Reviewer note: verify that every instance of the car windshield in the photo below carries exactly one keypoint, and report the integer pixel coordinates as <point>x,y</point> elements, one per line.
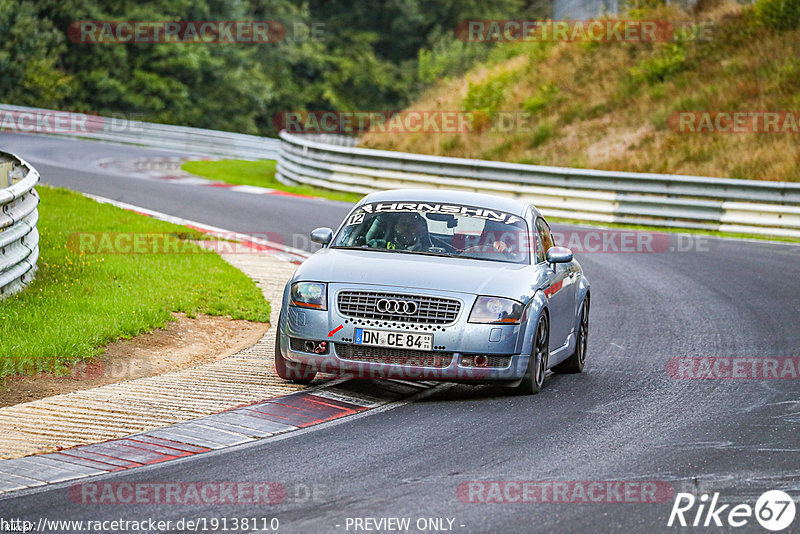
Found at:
<point>452,230</point>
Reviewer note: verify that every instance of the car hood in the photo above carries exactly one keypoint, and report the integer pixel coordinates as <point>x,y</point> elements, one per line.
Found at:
<point>420,272</point>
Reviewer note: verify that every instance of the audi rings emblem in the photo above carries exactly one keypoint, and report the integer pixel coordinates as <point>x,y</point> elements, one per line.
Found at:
<point>399,307</point>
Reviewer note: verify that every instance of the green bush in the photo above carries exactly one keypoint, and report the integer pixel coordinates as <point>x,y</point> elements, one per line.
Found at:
<point>486,96</point>
<point>658,68</point>
<point>778,14</point>
<point>547,93</point>
<point>574,111</point>
<point>451,143</point>
<point>498,152</point>
<point>543,132</point>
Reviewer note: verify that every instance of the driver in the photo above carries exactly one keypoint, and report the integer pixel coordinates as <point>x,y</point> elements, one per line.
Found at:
<point>406,231</point>
<point>411,233</point>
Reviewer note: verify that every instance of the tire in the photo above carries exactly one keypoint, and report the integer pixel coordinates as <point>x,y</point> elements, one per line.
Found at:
<point>292,371</point>
<point>574,364</point>
<point>533,380</point>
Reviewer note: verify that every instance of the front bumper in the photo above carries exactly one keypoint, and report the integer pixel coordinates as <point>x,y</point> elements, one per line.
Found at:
<point>455,344</point>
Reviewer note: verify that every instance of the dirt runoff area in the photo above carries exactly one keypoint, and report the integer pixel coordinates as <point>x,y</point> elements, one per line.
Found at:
<point>182,343</point>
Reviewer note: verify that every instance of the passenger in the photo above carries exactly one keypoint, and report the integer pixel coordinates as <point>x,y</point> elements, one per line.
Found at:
<point>496,238</point>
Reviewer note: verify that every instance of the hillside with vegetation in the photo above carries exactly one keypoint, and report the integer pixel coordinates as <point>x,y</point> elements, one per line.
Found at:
<point>613,105</point>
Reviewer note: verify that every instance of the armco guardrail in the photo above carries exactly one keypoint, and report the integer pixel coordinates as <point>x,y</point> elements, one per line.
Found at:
<point>19,238</point>
<point>693,202</point>
<point>118,130</point>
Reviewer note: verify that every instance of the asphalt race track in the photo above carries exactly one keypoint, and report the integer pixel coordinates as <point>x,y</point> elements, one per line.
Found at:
<point>623,419</point>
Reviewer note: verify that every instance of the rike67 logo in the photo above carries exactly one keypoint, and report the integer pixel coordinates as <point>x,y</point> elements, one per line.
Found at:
<point>774,510</point>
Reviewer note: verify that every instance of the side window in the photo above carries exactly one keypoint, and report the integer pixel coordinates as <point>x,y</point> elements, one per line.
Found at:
<point>545,239</point>
<point>539,250</point>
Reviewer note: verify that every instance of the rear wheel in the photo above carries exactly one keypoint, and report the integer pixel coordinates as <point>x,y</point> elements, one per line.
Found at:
<point>574,364</point>
<point>292,371</point>
<point>533,380</point>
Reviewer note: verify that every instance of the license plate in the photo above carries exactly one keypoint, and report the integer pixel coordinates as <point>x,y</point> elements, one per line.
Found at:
<point>397,340</point>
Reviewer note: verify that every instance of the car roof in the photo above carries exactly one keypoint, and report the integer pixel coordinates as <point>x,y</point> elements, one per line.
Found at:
<point>481,200</point>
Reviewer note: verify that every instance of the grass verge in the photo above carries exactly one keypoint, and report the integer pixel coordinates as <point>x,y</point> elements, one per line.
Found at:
<point>79,302</point>
<point>260,173</point>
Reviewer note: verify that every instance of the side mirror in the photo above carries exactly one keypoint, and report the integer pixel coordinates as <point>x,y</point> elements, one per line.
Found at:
<point>322,236</point>
<point>559,255</point>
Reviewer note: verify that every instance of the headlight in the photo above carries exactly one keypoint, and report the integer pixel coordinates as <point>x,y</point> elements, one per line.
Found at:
<point>496,310</point>
<point>310,295</point>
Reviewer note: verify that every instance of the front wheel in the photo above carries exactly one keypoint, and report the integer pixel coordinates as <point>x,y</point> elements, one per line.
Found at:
<point>574,364</point>
<point>533,380</point>
<point>291,371</point>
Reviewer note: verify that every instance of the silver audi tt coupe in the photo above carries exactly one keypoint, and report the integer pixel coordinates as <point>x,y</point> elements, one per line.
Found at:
<point>436,285</point>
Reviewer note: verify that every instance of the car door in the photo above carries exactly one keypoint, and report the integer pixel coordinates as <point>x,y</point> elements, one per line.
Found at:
<point>559,289</point>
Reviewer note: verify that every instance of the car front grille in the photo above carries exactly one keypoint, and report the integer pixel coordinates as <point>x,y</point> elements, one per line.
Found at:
<point>429,310</point>
<point>419,358</point>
